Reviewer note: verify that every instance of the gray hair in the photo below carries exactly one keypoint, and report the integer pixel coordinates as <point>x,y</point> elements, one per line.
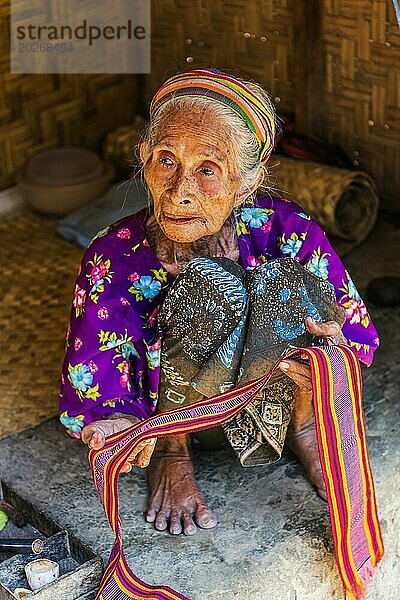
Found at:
<point>245,145</point>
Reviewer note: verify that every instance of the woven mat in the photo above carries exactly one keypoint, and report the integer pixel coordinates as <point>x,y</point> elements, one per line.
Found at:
<point>343,202</point>
<point>37,274</point>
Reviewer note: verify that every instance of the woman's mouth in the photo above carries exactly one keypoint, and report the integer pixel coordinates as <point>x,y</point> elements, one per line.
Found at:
<point>180,220</point>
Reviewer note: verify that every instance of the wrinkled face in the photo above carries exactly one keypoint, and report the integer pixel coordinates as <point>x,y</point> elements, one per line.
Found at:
<point>192,175</point>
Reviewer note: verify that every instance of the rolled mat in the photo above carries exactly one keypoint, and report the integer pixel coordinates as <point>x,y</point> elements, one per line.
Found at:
<point>342,445</point>
<point>345,203</point>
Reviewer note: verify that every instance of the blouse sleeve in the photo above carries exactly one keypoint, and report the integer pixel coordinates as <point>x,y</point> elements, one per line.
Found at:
<point>105,354</point>
<point>318,256</point>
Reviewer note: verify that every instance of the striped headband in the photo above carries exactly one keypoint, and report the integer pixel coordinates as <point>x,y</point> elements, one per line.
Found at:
<point>223,88</point>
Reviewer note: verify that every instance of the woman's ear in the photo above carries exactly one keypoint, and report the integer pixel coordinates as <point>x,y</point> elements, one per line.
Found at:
<point>241,196</point>
<point>142,151</point>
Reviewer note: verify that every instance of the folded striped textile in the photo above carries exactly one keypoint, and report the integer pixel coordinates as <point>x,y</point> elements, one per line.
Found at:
<point>339,418</point>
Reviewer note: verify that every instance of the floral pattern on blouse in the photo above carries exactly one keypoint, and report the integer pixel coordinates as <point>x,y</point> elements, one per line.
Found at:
<point>99,275</point>
<point>319,263</point>
<point>292,245</point>
<point>112,358</point>
<point>356,311</point>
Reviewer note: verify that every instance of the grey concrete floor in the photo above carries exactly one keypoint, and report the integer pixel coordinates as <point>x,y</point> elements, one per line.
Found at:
<point>273,539</point>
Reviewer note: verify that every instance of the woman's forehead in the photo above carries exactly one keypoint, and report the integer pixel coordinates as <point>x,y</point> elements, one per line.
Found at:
<point>193,118</point>
<point>200,147</point>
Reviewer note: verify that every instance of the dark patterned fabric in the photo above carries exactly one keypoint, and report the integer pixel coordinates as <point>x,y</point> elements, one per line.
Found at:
<point>222,326</point>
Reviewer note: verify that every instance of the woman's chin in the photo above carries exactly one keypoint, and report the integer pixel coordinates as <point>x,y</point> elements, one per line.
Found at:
<point>182,235</point>
<point>181,239</point>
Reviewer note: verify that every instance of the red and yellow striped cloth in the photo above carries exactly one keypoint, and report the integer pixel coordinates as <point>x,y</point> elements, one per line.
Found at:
<point>339,417</point>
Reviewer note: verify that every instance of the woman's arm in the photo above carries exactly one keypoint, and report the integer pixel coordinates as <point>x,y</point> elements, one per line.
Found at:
<point>320,258</point>
<point>105,360</point>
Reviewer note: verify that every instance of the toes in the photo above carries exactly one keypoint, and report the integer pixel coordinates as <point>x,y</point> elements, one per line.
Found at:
<point>322,493</point>
<point>161,521</point>
<point>151,515</point>
<point>189,527</point>
<point>175,523</point>
<point>205,518</point>
<point>154,507</point>
<point>316,477</point>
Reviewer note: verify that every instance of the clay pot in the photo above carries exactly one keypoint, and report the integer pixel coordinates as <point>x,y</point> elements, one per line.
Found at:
<point>61,199</point>
<point>63,166</point>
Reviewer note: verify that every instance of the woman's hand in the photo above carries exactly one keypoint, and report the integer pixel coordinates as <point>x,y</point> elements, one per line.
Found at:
<point>95,434</point>
<point>300,372</point>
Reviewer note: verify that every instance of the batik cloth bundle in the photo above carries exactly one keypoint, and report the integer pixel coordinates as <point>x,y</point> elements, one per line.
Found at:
<point>336,380</point>
<point>222,326</point>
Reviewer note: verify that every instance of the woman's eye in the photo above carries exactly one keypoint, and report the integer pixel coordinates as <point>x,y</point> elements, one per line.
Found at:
<point>165,160</point>
<point>207,171</point>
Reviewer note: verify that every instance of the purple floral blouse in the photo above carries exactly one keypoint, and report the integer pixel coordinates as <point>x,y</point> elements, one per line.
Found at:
<point>112,359</point>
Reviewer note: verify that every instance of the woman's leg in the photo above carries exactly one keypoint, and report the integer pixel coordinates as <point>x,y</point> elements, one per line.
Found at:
<point>302,436</point>
<point>302,439</point>
<point>206,303</point>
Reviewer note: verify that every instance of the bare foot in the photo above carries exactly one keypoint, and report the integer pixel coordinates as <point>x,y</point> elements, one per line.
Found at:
<point>176,502</point>
<point>94,435</point>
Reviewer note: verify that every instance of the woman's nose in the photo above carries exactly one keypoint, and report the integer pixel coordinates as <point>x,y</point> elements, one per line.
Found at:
<point>181,191</point>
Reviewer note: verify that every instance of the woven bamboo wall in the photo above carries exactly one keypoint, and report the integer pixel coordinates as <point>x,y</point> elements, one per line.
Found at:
<point>43,111</point>
<point>361,41</point>
<point>334,64</point>
<point>255,37</point>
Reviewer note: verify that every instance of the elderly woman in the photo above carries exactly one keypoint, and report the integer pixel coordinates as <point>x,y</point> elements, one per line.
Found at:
<point>205,289</point>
